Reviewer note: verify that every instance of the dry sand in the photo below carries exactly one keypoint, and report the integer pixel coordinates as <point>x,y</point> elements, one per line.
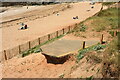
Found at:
<point>11,36</point>
<point>35,66</point>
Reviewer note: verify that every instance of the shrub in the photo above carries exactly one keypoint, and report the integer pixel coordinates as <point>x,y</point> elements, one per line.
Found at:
<point>83,28</point>
<point>99,47</point>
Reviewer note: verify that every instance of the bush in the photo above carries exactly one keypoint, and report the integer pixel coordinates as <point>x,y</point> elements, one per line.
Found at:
<point>99,47</point>
<point>111,33</point>
<point>83,28</point>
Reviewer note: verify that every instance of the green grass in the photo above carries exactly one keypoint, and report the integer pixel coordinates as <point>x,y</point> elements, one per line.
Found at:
<point>92,48</point>
<point>83,27</point>
<point>89,78</point>
<point>105,19</point>
<point>107,3</point>
<point>37,49</point>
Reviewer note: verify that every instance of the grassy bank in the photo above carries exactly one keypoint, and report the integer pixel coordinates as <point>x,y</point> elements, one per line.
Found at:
<point>82,52</point>
<point>105,20</point>
<point>108,3</point>
<point>111,58</point>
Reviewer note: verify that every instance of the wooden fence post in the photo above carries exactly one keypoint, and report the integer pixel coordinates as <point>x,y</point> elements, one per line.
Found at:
<point>48,36</point>
<point>39,40</point>
<point>5,55</point>
<point>29,45</point>
<point>83,44</point>
<point>63,31</point>
<point>75,25</point>
<point>101,41</point>
<point>19,49</point>
<point>69,29</point>
<point>56,33</point>
<point>115,33</point>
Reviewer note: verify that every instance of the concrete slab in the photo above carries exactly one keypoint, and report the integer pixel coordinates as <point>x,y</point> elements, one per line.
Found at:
<point>63,46</point>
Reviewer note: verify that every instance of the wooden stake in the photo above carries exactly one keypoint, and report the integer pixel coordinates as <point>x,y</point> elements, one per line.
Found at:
<point>101,41</point>
<point>48,36</point>
<point>63,31</point>
<point>115,33</point>
<point>29,45</point>
<point>5,55</point>
<point>39,40</point>
<point>83,44</point>
<point>75,25</point>
<point>56,33</point>
<point>19,49</point>
<point>69,29</point>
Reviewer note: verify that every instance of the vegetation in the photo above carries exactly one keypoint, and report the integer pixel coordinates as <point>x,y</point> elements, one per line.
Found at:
<point>106,19</point>
<point>89,78</point>
<point>94,58</point>
<point>108,3</point>
<point>110,60</point>
<point>61,76</point>
<point>103,21</point>
<point>83,27</point>
<point>92,48</point>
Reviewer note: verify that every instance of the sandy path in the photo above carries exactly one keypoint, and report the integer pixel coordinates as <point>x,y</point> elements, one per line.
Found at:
<point>39,27</point>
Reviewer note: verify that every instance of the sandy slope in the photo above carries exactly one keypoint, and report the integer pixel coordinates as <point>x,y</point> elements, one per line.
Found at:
<point>35,66</point>
<point>39,27</point>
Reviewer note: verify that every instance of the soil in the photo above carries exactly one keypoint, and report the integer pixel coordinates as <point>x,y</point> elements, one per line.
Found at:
<point>35,66</point>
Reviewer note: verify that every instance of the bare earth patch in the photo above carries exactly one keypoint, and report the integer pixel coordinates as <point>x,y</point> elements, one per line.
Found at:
<point>35,66</point>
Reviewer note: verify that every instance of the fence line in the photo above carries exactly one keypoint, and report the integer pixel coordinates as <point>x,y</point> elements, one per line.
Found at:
<point>10,53</point>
